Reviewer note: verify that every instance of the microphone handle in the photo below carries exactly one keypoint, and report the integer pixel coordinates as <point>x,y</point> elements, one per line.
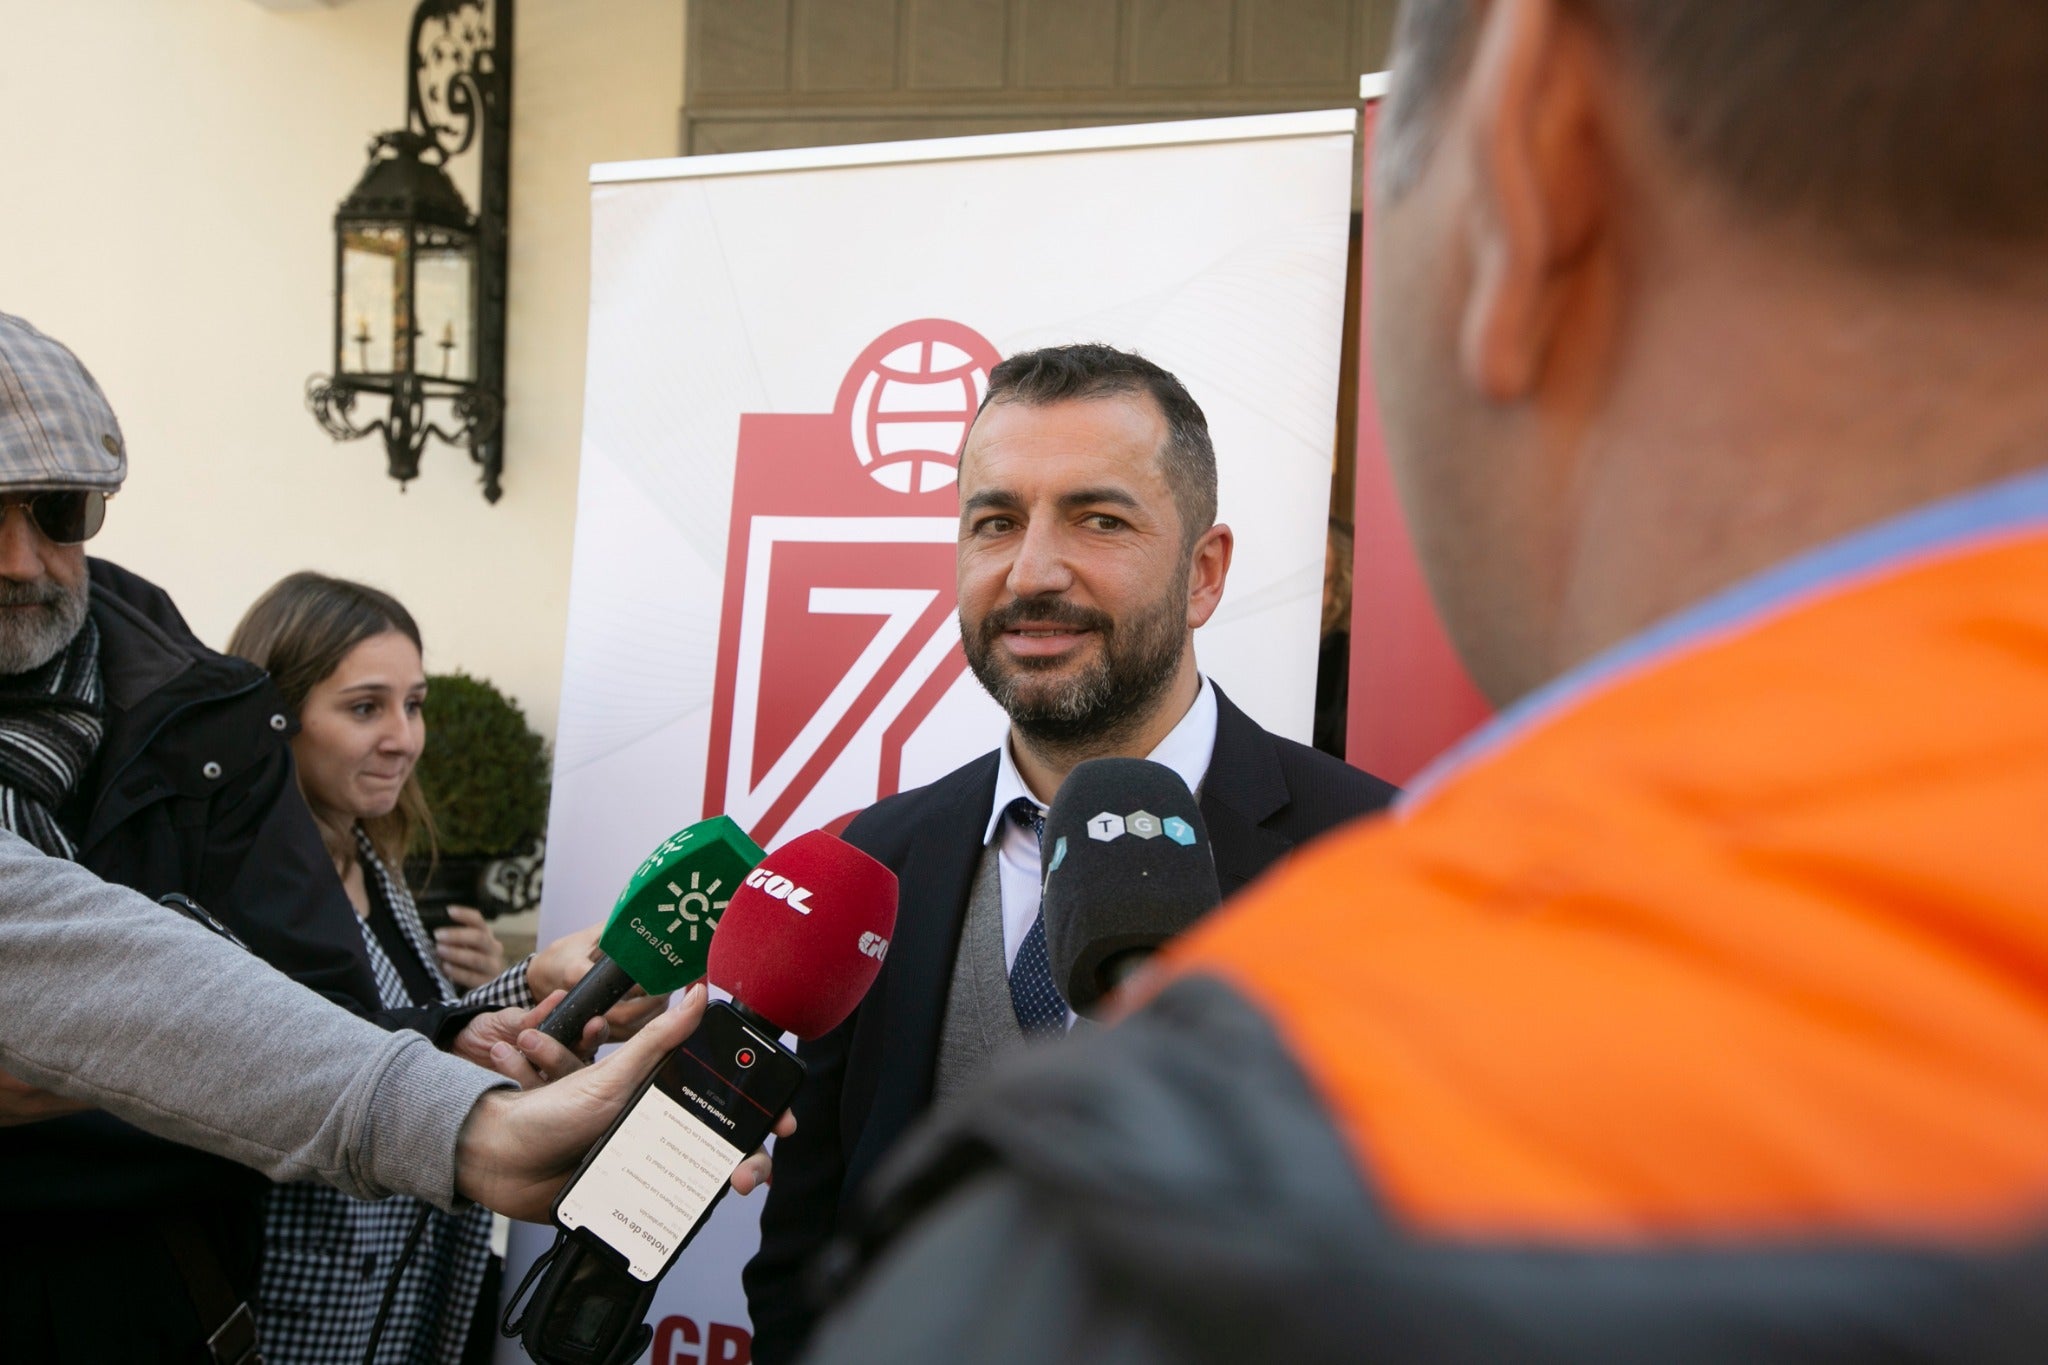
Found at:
<point>603,986</point>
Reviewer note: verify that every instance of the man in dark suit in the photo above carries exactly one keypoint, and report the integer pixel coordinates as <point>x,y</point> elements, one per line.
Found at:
<point>1089,555</point>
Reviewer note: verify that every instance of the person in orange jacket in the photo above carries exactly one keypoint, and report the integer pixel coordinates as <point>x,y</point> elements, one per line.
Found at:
<point>1697,1008</point>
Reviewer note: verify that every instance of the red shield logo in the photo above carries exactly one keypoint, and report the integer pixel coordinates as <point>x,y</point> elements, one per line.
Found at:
<point>838,634</point>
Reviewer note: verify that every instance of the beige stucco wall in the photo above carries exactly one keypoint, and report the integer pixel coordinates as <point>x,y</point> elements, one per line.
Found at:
<point>169,171</point>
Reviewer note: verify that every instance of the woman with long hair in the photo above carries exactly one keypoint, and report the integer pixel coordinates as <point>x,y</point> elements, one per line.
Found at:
<point>347,659</point>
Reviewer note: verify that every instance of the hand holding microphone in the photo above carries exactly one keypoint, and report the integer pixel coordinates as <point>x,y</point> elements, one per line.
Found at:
<point>797,948</point>
<point>799,944</point>
<point>660,930</point>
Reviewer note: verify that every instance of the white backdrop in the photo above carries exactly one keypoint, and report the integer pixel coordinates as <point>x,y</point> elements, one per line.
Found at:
<point>760,604</point>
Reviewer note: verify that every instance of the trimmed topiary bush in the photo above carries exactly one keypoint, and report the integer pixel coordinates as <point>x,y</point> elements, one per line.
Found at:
<point>484,771</point>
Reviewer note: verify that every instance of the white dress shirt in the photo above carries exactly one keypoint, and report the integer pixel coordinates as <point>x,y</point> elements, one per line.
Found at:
<point>1186,749</point>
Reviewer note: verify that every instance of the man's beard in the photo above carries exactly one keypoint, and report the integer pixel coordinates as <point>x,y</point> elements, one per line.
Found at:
<point>39,620</point>
<point>1110,699</point>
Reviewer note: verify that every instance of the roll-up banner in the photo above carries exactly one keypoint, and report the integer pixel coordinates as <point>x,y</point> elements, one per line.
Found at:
<point>1410,696</point>
<point>786,349</point>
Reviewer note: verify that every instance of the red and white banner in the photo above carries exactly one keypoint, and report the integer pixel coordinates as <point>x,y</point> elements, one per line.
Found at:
<point>785,352</point>
<point>837,635</point>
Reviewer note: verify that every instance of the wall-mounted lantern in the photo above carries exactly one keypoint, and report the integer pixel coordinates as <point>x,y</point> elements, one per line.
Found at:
<point>419,284</point>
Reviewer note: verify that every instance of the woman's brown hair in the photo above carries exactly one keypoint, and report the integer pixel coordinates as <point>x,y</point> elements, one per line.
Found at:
<point>299,632</point>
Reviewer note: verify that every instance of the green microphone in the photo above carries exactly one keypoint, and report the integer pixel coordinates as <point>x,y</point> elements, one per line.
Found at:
<point>660,931</point>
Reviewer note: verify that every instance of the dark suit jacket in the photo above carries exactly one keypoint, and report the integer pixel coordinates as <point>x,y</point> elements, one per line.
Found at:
<point>871,1078</point>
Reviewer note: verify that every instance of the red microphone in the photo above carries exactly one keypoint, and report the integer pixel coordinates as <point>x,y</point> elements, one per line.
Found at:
<point>805,934</point>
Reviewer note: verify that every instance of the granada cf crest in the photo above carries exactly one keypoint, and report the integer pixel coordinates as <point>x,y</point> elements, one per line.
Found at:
<point>838,634</point>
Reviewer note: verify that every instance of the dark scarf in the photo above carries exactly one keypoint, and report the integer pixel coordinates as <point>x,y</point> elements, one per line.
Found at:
<point>51,721</point>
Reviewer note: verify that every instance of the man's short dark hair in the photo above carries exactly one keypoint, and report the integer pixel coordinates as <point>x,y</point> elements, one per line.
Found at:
<point>1054,374</point>
<point>1908,129</point>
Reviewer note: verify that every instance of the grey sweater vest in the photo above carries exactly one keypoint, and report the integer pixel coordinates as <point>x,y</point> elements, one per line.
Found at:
<point>981,1023</point>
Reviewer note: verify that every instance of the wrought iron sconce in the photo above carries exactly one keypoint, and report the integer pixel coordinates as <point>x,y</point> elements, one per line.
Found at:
<point>419,281</point>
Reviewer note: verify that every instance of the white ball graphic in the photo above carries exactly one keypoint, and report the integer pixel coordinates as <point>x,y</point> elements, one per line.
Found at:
<point>911,414</point>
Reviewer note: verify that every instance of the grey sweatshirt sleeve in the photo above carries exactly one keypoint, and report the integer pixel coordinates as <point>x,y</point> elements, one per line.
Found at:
<point>107,997</point>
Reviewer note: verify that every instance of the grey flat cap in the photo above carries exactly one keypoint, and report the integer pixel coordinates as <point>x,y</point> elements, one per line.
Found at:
<point>56,428</point>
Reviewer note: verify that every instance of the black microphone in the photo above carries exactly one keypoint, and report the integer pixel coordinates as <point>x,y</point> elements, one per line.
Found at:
<point>1126,864</point>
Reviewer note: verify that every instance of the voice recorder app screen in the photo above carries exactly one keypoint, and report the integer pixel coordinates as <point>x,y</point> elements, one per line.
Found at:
<point>654,1180</point>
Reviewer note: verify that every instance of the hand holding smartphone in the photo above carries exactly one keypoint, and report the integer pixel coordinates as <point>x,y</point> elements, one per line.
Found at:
<point>653,1180</point>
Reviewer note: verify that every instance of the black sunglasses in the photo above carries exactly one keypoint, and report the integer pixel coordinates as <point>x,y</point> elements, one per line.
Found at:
<point>65,516</point>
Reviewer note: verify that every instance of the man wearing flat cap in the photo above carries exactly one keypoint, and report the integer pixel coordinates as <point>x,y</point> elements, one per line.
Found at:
<point>129,747</point>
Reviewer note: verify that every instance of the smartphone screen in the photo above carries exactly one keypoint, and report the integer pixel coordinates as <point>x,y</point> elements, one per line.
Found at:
<point>650,1184</point>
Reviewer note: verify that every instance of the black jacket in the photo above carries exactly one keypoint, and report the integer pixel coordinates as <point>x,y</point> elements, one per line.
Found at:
<point>872,1077</point>
<point>192,791</point>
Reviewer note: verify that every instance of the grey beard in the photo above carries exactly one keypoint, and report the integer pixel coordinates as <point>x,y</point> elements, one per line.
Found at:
<point>30,639</point>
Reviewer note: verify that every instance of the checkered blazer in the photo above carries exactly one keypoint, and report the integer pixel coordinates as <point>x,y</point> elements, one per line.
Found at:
<point>326,1257</point>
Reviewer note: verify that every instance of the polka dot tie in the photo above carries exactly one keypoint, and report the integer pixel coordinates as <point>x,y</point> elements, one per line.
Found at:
<point>1040,1009</point>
